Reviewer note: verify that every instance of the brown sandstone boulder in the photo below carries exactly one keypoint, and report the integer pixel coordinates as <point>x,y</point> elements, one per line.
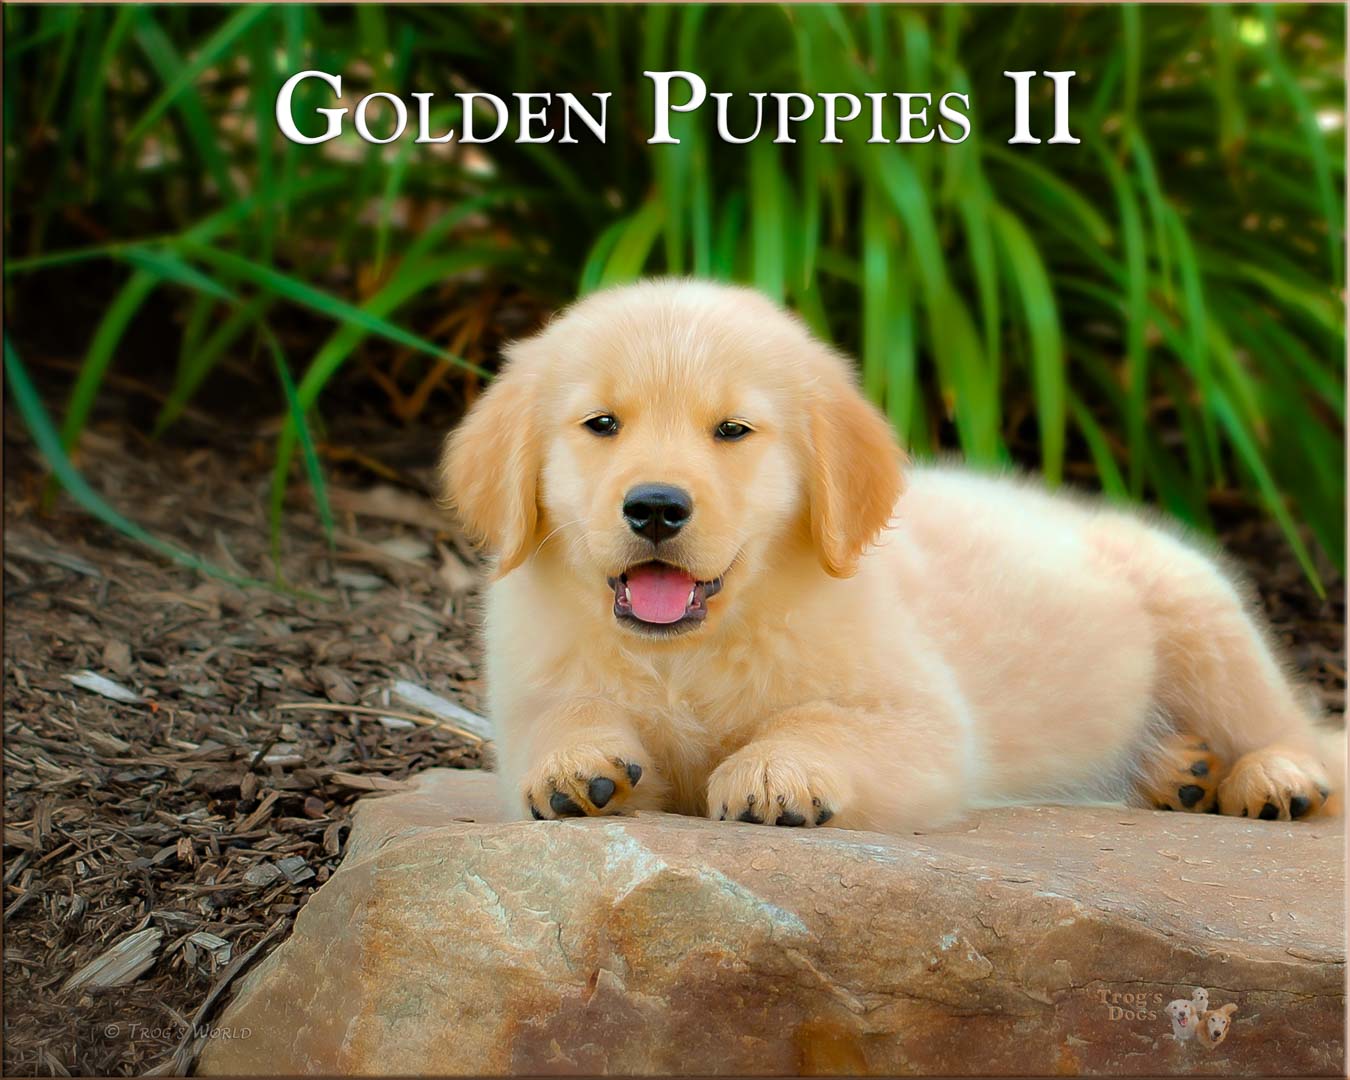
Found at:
<point>1032,940</point>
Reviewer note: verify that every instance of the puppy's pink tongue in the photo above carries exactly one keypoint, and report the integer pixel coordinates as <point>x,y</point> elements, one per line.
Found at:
<point>659,594</point>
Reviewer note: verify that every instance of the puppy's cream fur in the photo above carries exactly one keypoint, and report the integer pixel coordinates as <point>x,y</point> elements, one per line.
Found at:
<point>891,646</point>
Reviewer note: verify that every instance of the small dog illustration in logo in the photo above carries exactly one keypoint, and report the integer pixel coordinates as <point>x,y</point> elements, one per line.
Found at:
<point>1193,1019</point>
<point>1214,1025</point>
<point>1184,1019</point>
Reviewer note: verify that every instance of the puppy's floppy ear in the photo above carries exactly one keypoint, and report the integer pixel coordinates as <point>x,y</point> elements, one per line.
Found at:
<point>491,463</point>
<point>855,474</point>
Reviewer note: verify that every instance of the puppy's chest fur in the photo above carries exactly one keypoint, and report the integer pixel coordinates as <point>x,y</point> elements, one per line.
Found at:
<point>697,702</point>
<point>693,710</point>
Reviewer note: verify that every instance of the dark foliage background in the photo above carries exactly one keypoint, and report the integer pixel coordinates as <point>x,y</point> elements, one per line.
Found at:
<point>1157,312</point>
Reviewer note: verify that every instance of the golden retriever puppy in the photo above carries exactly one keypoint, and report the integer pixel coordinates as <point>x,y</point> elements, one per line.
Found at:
<point>719,590</point>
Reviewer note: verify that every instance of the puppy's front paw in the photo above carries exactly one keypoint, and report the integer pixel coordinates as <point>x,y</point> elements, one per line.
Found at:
<point>1274,784</point>
<point>581,781</point>
<point>774,785</point>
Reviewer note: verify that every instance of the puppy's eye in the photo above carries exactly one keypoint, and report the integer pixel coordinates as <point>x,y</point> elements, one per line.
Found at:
<point>604,424</point>
<point>731,430</point>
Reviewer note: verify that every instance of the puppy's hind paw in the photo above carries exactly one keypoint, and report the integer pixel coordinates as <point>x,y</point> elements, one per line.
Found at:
<point>581,782</point>
<point>1183,774</point>
<point>1274,784</point>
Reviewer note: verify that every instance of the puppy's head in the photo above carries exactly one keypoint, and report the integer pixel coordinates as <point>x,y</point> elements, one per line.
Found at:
<point>1217,1023</point>
<point>1182,1012</point>
<point>669,444</point>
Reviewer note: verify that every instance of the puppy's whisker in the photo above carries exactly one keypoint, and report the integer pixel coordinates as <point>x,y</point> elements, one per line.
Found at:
<point>554,532</point>
<point>577,548</point>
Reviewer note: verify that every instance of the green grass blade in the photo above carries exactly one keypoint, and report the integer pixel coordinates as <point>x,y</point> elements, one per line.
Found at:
<point>1157,208</point>
<point>634,244</point>
<point>1108,471</point>
<point>970,395</point>
<point>878,240</point>
<point>108,334</point>
<point>1132,20</point>
<point>902,361</point>
<point>408,282</point>
<point>306,295</point>
<point>1250,455</point>
<point>169,267</point>
<point>593,269</point>
<point>308,454</point>
<point>974,211</point>
<point>198,363</point>
<point>1315,141</point>
<point>1031,281</point>
<point>210,52</point>
<point>1136,313</point>
<point>727,240</point>
<point>769,214</point>
<point>164,58</point>
<point>1056,201</point>
<point>1195,319</point>
<point>1232,117</point>
<point>50,445</point>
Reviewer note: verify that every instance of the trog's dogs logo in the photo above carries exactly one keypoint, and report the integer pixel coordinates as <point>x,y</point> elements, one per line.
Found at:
<point>1194,1021</point>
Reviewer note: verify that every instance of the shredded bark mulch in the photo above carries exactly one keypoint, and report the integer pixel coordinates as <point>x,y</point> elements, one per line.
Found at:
<point>169,840</point>
<point>156,848</point>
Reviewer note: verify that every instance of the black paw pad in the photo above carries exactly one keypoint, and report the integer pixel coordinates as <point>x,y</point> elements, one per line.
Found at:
<point>1299,805</point>
<point>534,812</point>
<point>790,818</point>
<point>563,805</point>
<point>825,814</point>
<point>1270,812</point>
<point>600,791</point>
<point>1200,768</point>
<point>634,773</point>
<point>749,815</point>
<point>1190,794</point>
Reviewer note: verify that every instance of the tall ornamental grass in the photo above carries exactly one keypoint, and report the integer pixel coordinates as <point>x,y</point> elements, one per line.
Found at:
<point>1164,300</point>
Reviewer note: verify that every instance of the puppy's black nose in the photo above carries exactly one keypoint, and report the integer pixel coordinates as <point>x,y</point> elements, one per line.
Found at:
<point>657,511</point>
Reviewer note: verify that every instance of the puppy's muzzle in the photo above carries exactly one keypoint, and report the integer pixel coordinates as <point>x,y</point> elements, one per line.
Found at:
<point>657,512</point>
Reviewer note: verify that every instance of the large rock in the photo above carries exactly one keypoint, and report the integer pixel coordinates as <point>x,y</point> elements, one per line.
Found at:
<point>1032,940</point>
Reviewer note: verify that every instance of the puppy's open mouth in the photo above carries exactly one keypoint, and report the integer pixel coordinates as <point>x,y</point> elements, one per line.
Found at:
<point>661,597</point>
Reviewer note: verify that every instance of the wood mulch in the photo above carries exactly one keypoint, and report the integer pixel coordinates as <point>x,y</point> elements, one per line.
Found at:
<point>168,838</point>
<point>167,843</point>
